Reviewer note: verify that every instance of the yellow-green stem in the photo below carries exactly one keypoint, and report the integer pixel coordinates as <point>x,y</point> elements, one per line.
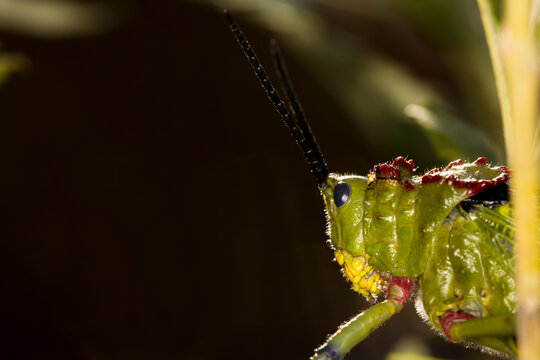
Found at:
<point>520,61</point>
<point>490,29</point>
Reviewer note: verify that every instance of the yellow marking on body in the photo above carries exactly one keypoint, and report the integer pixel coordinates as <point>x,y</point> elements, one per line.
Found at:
<point>364,292</point>
<point>363,283</point>
<point>364,278</point>
<point>348,273</point>
<point>358,263</point>
<point>339,257</point>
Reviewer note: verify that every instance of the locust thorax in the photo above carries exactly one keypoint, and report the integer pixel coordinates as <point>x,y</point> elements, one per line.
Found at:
<point>344,198</point>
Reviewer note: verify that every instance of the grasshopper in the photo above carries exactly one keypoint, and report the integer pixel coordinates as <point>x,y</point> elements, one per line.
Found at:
<point>444,238</point>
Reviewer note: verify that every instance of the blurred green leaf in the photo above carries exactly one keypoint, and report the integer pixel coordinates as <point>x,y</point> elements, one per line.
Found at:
<point>10,63</point>
<point>452,138</point>
<point>404,356</point>
<point>60,18</point>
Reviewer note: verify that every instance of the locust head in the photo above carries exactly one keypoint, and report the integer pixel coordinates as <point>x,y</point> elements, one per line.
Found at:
<point>344,198</point>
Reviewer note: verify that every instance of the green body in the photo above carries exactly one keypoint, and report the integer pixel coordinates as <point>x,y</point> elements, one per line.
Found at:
<point>460,254</point>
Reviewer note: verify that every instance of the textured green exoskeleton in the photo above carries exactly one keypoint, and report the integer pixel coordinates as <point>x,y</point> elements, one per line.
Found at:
<point>445,237</point>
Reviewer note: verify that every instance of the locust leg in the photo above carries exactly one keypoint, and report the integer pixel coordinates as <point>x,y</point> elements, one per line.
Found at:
<point>497,332</point>
<point>503,325</point>
<point>358,328</point>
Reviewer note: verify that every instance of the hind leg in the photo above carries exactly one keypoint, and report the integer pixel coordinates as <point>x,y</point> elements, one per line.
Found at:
<point>497,332</point>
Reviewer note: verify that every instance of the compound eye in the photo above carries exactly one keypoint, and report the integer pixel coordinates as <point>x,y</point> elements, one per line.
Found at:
<point>342,194</point>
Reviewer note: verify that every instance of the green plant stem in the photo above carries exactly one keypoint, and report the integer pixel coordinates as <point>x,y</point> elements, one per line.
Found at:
<point>520,61</point>
<point>490,30</point>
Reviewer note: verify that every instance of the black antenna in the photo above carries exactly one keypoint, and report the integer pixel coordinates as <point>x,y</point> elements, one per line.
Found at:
<point>301,133</point>
<point>295,105</point>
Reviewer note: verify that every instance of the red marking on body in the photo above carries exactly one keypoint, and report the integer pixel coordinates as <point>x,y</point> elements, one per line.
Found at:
<point>431,178</point>
<point>472,186</point>
<point>409,186</point>
<point>407,165</point>
<point>405,285</point>
<point>475,186</point>
<point>454,163</point>
<point>450,179</point>
<point>481,161</point>
<point>450,318</point>
<point>385,171</point>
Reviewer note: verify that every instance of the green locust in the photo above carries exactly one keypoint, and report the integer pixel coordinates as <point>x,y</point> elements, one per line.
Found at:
<point>444,238</point>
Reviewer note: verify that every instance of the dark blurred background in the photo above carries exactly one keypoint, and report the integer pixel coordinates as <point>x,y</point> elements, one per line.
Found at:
<point>155,207</point>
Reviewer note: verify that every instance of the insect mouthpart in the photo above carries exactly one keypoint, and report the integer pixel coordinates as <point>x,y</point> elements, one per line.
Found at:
<point>365,279</point>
